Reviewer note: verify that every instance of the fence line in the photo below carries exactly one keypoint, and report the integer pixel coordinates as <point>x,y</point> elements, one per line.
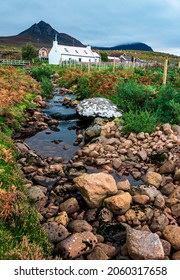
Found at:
<point>14,62</point>
<point>166,64</point>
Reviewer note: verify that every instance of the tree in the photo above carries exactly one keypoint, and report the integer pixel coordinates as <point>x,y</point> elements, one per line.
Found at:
<point>104,56</point>
<point>29,52</point>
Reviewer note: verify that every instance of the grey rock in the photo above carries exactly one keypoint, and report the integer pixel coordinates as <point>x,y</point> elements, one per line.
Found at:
<point>77,245</point>
<point>150,191</point>
<point>45,181</point>
<point>167,168</point>
<point>92,131</point>
<point>143,245</point>
<point>97,107</point>
<point>36,193</point>
<point>71,206</point>
<point>56,232</point>
<point>79,226</point>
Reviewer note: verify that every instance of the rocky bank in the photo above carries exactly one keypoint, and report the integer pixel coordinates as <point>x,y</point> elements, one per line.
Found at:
<point>87,213</point>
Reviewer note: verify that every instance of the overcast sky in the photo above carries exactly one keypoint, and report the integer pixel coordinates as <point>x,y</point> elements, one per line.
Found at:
<point>100,22</point>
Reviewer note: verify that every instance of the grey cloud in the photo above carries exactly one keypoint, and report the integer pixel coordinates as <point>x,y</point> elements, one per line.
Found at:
<point>99,22</point>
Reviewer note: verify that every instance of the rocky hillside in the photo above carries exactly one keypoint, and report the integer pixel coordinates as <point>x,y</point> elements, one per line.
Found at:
<point>133,46</point>
<point>40,34</point>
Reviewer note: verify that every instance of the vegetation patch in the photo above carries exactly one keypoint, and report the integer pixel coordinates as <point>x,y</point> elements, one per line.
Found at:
<point>21,234</point>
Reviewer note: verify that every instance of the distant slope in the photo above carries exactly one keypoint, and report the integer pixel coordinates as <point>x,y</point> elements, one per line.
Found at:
<point>133,46</point>
<point>41,35</point>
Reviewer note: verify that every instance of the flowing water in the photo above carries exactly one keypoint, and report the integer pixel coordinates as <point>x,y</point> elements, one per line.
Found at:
<point>61,140</point>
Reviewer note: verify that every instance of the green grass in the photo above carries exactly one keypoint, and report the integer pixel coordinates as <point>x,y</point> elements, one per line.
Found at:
<point>24,223</point>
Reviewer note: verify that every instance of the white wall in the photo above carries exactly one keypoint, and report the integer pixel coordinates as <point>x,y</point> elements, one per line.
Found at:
<point>76,58</point>
<point>56,56</point>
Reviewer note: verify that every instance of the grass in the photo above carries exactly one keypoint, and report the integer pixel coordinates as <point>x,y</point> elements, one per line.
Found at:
<point>18,219</point>
<point>21,234</point>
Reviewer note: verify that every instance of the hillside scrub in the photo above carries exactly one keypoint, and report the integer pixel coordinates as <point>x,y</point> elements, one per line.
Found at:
<point>18,219</point>
<point>21,235</point>
<point>17,91</point>
<point>132,90</point>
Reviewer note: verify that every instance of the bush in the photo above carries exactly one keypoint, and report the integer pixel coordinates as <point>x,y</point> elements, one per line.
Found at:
<point>41,72</point>
<point>167,105</point>
<point>132,96</point>
<point>46,86</point>
<point>29,52</point>
<point>83,87</point>
<point>139,121</point>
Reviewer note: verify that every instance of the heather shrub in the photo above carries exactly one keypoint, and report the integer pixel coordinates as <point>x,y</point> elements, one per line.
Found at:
<point>139,121</point>
<point>41,72</point>
<point>132,96</point>
<point>167,104</point>
<point>47,86</point>
<point>83,90</point>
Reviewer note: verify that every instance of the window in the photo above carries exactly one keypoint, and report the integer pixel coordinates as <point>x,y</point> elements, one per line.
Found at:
<point>76,51</point>
<point>66,49</point>
<point>85,52</point>
<point>80,59</point>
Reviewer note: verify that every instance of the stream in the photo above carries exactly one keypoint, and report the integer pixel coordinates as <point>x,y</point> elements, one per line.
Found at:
<point>61,140</point>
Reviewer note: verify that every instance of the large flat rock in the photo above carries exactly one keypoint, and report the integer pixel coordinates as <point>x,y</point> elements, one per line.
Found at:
<point>97,107</point>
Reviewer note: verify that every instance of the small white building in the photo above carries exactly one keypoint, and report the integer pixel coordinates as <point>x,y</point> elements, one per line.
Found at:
<point>43,54</point>
<point>61,53</point>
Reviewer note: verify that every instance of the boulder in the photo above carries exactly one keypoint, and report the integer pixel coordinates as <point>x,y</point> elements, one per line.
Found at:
<point>79,226</point>
<point>159,223</point>
<point>36,192</point>
<point>167,168</point>
<point>56,232</point>
<point>142,154</point>
<point>144,245</point>
<point>45,181</point>
<point>172,234</point>
<point>95,187</point>
<point>70,206</point>
<point>62,219</point>
<point>77,245</point>
<point>97,254</point>
<point>150,191</point>
<point>119,203</point>
<point>97,107</point>
<point>176,256</point>
<point>141,199</point>
<point>153,178</point>
<point>177,175</point>
<point>124,185</point>
<point>92,131</point>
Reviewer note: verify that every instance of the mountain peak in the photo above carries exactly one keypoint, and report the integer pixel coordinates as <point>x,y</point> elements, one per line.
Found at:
<point>44,34</point>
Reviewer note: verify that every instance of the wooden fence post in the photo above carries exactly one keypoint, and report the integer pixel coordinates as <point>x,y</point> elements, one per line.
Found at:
<point>179,65</point>
<point>114,64</point>
<point>89,67</point>
<point>133,62</point>
<point>165,71</point>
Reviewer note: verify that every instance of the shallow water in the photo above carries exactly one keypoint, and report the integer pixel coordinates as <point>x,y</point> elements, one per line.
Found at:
<point>58,142</point>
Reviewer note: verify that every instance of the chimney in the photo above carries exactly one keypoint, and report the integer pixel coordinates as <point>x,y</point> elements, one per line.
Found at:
<point>55,42</point>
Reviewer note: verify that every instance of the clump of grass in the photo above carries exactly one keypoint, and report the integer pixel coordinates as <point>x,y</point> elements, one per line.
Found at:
<point>139,121</point>
<point>18,219</point>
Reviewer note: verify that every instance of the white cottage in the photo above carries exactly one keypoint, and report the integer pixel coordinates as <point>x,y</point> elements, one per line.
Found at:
<point>60,53</point>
